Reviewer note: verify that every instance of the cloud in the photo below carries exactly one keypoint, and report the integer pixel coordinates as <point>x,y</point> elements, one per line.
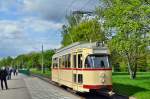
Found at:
<point>26,24</point>
<point>53,10</point>
<point>4,5</point>
<point>7,5</point>
<point>27,34</point>
<point>40,25</point>
<point>10,29</point>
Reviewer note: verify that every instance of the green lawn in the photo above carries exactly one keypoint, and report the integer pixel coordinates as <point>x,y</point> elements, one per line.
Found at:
<point>39,72</point>
<point>139,88</point>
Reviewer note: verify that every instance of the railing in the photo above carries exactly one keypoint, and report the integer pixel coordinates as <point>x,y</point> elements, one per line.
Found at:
<point>24,71</point>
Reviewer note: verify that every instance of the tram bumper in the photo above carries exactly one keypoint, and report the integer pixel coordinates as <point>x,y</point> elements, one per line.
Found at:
<point>98,87</point>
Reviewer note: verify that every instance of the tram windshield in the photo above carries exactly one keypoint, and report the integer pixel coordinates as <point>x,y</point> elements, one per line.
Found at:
<point>97,61</point>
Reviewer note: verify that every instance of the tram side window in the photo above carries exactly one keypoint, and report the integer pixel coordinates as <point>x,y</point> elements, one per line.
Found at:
<point>80,78</point>
<point>60,62</point>
<point>74,61</point>
<point>66,63</point>
<point>55,62</point>
<point>63,61</point>
<point>68,59</point>
<point>74,77</point>
<point>79,60</point>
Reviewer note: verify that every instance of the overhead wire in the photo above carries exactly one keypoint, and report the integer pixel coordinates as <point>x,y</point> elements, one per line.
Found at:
<point>70,5</point>
<point>82,9</point>
<point>85,4</point>
<point>66,11</point>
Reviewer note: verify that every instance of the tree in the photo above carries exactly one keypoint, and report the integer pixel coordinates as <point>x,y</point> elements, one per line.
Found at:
<point>88,30</point>
<point>73,20</point>
<point>129,21</point>
<point>8,61</point>
<point>48,58</point>
<point>3,62</point>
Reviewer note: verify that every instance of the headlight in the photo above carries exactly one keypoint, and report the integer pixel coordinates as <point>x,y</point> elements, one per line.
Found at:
<point>103,78</point>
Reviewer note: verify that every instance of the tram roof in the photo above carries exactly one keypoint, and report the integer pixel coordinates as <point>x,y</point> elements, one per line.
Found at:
<point>93,45</point>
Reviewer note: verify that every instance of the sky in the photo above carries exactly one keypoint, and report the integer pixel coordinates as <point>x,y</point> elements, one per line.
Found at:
<point>27,24</point>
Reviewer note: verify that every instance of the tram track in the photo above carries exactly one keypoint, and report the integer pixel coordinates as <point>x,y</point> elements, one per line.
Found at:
<point>82,95</point>
<point>48,80</point>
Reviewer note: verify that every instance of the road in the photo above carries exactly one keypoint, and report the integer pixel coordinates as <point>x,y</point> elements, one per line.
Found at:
<point>40,89</point>
<point>24,87</point>
<point>17,89</point>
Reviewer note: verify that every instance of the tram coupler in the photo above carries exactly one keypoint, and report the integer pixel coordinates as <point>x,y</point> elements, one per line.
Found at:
<point>106,92</point>
<point>110,93</point>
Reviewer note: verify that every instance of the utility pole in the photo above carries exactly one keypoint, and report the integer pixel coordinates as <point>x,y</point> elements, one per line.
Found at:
<point>42,60</point>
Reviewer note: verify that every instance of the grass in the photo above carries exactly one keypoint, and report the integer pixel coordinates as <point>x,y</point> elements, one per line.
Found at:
<point>39,72</point>
<point>139,88</point>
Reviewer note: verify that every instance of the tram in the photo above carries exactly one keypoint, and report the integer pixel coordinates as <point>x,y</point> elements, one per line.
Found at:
<point>83,67</point>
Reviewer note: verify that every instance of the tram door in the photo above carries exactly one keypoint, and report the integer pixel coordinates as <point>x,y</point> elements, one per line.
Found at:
<point>79,71</point>
<point>59,73</point>
<point>77,64</point>
<point>74,71</point>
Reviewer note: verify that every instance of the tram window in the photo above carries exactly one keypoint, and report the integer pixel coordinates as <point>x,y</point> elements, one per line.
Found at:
<point>97,61</point>
<point>63,61</point>
<point>53,65</point>
<point>102,63</point>
<point>55,62</point>
<point>79,60</point>
<point>74,77</point>
<point>68,60</point>
<point>80,78</point>
<point>59,62</point>
<point>66,63</point>
<point>87,64</point>
<point>74,61</point>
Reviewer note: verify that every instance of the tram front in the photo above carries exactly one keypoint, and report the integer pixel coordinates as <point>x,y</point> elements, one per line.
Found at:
<point>98,75</point>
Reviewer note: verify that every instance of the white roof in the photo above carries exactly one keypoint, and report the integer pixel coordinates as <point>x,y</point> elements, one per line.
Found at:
<point>95,46</point>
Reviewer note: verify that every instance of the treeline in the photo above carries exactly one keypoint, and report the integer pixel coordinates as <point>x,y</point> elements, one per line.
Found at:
<point>122,24</point>
<point>31,60</point>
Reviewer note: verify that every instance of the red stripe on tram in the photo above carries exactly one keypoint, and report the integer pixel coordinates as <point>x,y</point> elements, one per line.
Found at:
<point>83,69</point>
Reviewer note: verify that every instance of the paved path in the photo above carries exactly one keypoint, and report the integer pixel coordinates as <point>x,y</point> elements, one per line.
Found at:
<point>17,89</point>
<point>24,87</point>
<point>40,89</point>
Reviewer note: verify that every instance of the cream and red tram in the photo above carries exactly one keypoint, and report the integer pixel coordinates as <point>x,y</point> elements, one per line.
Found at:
<point>82,67</point>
